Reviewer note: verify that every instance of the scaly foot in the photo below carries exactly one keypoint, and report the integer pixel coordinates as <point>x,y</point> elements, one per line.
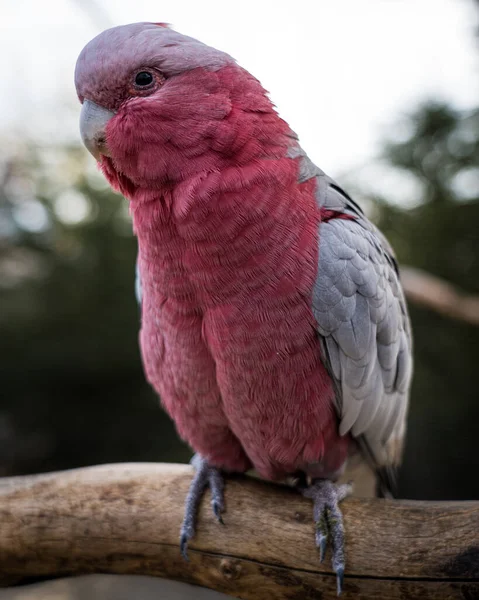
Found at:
<point>326,497</point>
<point>204,476</point>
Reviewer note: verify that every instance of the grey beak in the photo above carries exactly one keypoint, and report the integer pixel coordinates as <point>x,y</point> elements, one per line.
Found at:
<point>93,120</point>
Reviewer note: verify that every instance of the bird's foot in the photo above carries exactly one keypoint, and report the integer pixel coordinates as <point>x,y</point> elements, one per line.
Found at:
<point>328,518</point>
<point>204,476</point>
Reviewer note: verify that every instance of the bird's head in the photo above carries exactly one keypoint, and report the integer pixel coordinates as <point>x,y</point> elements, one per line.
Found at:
<point>159,106</point>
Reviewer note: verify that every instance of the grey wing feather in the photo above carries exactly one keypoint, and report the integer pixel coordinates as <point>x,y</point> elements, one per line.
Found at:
<point>362,319</point>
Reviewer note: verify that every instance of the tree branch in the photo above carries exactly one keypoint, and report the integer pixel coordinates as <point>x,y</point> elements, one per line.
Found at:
<point>436,294</point>
<point>126,518</point>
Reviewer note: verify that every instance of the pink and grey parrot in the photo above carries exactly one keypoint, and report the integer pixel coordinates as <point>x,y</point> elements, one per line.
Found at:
<point>274,327</point>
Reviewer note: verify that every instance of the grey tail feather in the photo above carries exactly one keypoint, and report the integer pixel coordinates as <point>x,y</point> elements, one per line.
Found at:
<point>386,482</point>
<point>386,476</point>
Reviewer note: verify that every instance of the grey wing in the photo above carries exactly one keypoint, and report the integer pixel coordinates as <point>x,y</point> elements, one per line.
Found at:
<point>364,326</point>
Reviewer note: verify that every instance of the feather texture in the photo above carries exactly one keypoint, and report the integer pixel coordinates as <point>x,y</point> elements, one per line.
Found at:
<point>273,323</point>
<point>362,319</point>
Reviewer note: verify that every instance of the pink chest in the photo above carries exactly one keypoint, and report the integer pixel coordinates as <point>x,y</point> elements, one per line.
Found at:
<point>228,337</point>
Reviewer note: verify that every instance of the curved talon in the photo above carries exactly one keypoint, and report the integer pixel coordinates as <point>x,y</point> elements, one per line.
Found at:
<point>340,579</point>
<point>217,493</point>
<point>184,546</point>
<point>204,476</point>
<point>326,497</point>
<point>217,509</point>
<point>322,544</point>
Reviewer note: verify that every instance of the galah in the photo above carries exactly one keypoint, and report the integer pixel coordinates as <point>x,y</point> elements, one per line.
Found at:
<point>274,327</point>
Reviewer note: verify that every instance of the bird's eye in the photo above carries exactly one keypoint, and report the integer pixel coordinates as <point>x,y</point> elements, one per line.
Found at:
<point>143,79</point>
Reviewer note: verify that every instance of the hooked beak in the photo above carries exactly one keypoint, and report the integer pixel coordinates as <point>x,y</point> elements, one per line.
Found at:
<point>93,120</point>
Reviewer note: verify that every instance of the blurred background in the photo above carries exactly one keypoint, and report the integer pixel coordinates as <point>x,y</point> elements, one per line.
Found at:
<point>384,95</point>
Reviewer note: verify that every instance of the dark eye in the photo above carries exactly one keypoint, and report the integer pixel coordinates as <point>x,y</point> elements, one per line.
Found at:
<point>143,79</point>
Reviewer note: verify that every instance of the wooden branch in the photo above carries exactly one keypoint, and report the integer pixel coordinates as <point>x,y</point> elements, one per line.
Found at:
<point>437,294</point>
<point>125,519</point>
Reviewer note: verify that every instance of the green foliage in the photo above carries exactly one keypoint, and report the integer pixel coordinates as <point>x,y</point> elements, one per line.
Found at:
<point>440,235</point>
<point>73,390</point>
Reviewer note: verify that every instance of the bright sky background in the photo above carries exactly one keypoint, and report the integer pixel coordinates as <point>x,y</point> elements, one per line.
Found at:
<point>340,71</point>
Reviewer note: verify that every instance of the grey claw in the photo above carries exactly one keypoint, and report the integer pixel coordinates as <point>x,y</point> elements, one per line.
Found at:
<point>217,511</point>
<point>340,579</point>
<point>184,546</point>
<point>323,544</point>
<point>204,476</point>
<point>326,497</point>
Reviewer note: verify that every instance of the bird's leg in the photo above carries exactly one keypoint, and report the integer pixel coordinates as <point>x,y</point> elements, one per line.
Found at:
<point>326,497</point>
<point>204,476</point>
